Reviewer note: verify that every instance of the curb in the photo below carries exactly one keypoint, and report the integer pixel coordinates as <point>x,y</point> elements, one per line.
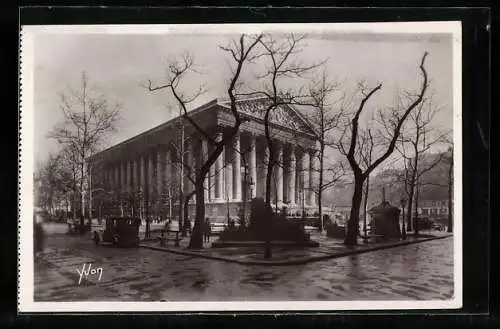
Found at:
<point>297,261</point>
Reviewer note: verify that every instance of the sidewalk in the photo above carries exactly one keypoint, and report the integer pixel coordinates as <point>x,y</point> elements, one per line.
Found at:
<point>329,248</point>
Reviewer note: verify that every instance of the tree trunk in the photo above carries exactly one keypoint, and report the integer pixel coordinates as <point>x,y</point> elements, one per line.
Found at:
<point>90,198</point>
<point>269,175</point>
<point>413,182</point>
<point>269,144</point>
<point>181,182</point>
<point>186,211</point>
<point>353,223</point>
<point>67,206</point>
<point>148,224</point>
<point>169,204</point>
<point>196,241</point>
<point>74,205</point>
<point>409,208</point>
<point>244,194</point>
<point>320,187</point>
<point>365,204</point>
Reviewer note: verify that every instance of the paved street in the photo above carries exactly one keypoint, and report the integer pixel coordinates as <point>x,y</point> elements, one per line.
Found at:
<point>418,271</point>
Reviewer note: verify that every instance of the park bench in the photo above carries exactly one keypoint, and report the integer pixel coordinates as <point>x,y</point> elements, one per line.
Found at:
<point>376,237</point>
<point>166,237</point>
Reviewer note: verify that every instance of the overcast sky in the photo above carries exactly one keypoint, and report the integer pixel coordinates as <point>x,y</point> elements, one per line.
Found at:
<point>118,64</point>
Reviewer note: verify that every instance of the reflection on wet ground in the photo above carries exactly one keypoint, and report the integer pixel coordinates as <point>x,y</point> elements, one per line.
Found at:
<point>413,272</point>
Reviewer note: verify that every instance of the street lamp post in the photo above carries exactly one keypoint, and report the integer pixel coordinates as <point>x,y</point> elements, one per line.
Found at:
<point>403,230</point>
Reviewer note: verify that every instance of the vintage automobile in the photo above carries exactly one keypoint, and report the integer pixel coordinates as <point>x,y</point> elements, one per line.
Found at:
<point>221,223</point>
<point>74,226</point>
<point>424,223</point>
<point>119,232</point>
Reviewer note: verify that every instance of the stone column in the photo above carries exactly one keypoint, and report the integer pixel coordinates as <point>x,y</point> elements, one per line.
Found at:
<point>300,178</point>
<point>137,174</point>
<point>218,174</point>
<point>228,170</point>
<point>168,170</point>
<point>129,176</point>
<point>116,180</point>
<point>211,180</point>
<point>189,173</point>
<point>159,177</point>
<point>279,173</point>
<point>291,176</point>
<point>253,165</point>
<point>237,168</point>
<point>204,157</point>
<point>306,160</point>
<point>123,176</point>
<point>169,178</point>
<point>143,175</point>
<point>312,179</point>
<point>109,179</point>
<point>265,161</point>
<point>150,178</point>
<point>104,177</point>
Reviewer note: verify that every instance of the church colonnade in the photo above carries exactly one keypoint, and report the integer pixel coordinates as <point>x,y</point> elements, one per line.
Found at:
<point>155,171</point>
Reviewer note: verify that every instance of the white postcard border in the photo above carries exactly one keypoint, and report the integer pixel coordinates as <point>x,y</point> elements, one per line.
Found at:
<point>26,301</point>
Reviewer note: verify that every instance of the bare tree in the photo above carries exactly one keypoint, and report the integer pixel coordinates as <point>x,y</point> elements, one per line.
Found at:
<point>183,169</point>
<point>325,117</point>
<point>397,119</point>
<point>282,65</point>
<point>87,121</point>
<point>188,171</point>
<point>69,165</point>
<point>420,136</point>
<point>366,146</point>
<point>48,182</point>
<point>240,52</point>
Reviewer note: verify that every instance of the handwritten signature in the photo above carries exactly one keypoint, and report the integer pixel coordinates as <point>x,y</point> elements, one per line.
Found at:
<point>90,271</point>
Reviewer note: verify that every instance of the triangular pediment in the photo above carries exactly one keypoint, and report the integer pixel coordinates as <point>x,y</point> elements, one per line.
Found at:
<point>284,115</point>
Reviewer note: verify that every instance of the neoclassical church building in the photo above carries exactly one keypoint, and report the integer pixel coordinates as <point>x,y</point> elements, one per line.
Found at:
<point>152,165</point>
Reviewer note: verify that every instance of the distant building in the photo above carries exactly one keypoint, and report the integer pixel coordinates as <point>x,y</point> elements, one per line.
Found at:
<point>433,208</point>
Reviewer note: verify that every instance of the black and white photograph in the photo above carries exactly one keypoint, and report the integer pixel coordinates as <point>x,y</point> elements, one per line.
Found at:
<point>240,167</point>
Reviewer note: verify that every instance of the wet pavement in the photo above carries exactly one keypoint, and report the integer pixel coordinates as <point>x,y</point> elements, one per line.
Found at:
<point>419,271</point>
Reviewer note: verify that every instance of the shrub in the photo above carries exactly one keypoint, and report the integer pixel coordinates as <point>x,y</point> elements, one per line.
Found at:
<point>259,213</point>
<point>265,225</point>
<point>335,231</point>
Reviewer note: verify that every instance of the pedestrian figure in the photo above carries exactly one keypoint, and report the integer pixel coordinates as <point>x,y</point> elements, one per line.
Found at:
<point>38,235</point>
<point>207,230</point>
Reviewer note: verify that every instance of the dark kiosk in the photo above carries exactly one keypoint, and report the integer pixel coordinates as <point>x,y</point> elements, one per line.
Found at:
<point>120,232</point>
